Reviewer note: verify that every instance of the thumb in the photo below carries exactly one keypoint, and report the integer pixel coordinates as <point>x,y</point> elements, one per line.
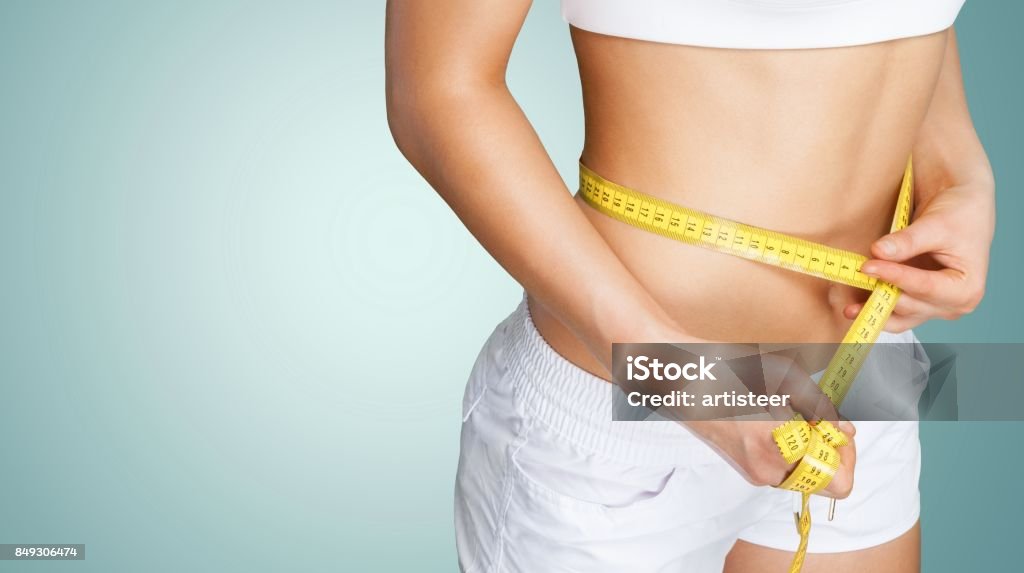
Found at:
<point>924,235</point>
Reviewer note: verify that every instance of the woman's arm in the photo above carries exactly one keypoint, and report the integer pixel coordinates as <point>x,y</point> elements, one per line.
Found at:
<point>454,118</point>
<point>954,219</point>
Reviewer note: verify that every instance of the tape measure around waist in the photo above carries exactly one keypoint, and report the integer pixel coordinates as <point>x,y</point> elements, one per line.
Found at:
<point>716,233</point>
<point>812,445</point>
<point>768,247</point>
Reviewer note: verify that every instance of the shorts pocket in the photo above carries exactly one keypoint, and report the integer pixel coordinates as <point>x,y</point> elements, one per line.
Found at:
<point>553,471</point>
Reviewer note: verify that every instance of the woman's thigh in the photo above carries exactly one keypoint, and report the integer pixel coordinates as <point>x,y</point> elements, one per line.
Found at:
<point>900,555</point>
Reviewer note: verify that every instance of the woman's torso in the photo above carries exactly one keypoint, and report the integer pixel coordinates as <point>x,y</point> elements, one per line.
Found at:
<point>807,142</point>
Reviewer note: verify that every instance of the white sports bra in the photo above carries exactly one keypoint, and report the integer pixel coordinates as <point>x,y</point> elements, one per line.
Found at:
<point>762,24</point>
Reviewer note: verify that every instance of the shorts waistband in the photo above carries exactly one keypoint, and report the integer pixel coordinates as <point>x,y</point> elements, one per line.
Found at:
<point>578,404</point>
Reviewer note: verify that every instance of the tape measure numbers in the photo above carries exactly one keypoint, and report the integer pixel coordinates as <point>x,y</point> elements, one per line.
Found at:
<point>812,445</point>
<point>716,233</point>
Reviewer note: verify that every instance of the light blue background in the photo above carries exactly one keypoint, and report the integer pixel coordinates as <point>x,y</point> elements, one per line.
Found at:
<point>200,306</point>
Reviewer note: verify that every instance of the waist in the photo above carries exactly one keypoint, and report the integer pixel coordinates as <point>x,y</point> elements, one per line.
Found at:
<point>721,297</point>
<point>705,287</point>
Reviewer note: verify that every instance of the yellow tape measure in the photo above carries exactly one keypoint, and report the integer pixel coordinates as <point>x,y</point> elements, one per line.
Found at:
<point>711,232</point>
<point>811,444</point>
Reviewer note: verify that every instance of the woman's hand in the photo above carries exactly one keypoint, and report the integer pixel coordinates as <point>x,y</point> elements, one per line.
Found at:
<point>749,447</point>
<point>940,260</point>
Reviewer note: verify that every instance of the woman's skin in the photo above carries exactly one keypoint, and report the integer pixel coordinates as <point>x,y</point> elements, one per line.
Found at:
<point>807,142</point>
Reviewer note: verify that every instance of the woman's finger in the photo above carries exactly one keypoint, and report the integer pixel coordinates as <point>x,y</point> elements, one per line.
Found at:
<point>941,288</point>
<point>927,234</point>
<point>906,305</point>
<point>898,324</point>
<point>842,482</point>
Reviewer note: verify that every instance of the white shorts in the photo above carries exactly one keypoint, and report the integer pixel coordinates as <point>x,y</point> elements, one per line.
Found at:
<point>547,482</point>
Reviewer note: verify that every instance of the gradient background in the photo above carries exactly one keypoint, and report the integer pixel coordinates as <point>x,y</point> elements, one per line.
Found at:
<point>201,300</point>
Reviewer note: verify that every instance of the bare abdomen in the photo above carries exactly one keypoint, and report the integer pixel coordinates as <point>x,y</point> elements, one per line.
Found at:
<point>807,142</point>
